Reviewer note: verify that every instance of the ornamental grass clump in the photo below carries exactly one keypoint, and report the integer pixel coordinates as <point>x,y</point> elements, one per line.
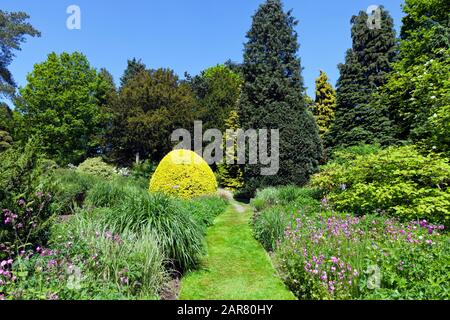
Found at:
<point>185,174</point>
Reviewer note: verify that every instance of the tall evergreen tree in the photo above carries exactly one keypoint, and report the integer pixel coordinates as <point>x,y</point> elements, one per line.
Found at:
<point>134,67</point>
<point>366,68</point>
<point>13,29</point>
<point>231,175</point>
<point>325,104</point>
<point>417,92</point>
<point>272,97</point>
<point>107,78</point>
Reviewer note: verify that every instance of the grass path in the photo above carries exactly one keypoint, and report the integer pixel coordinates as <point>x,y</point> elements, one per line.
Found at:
<point>236,267</point>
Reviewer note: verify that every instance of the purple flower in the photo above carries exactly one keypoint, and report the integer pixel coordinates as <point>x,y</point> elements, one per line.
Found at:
<point>53,296</point>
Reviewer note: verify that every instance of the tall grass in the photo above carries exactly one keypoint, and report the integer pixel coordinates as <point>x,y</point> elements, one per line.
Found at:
<point>134,209</point>
<point>277,208</point>
<point>130,258</point>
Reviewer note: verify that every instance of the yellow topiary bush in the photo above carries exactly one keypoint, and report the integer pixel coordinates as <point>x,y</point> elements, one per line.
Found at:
<point>185,174</point>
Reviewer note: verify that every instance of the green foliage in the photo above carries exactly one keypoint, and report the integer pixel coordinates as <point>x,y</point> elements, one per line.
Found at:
<point>345,155</point>
<point>13,31</point>
<point>416,94</point>
<point>396,181</point>
<point>6,125</point>
<point>89,263</point>
<point>218,89</point>
<point>5,140</point>
<point>20,171</point>
<point>366,68</point>
<point>276,207</point>
<point>231,176</point>
<point>204,210</point>
<point>134,67</point>
<point>97,167</point>
<point>25,212</point>
<point>325,104</point>
<point>269,226</point>
<point>180,237</point>
<point>337,256</point>
<point>60,104</point>
<point>69,189</point>
<point>142,171</point>
<point>146,112</point>
<point>272,98</point>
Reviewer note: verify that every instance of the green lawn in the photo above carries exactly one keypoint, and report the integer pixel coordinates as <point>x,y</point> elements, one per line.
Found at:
<point>237,267</point>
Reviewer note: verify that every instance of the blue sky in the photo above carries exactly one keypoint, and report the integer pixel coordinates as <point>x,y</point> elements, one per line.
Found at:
<point>184,35</point>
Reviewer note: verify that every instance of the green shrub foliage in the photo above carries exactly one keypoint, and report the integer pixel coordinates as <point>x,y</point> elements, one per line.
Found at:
<point>97,167</point>
<point>396,181</point>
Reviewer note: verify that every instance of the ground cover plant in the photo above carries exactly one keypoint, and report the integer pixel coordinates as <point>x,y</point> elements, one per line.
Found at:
<point>324,253</point>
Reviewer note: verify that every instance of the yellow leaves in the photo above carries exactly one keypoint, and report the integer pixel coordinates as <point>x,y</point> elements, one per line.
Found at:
<point>185,174</point>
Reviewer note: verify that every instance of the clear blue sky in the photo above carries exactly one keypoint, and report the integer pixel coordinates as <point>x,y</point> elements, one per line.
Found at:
<point>185,35</point>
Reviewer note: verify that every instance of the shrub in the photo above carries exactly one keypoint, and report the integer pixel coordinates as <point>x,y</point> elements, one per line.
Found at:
<point>69,189</point>
<point>97,167</point>
<point>143,170</point>
<point>396,181</point>
<point>25,214</point>
<point>20,172</point>
<point>344,155</point>
<point>185,174</point>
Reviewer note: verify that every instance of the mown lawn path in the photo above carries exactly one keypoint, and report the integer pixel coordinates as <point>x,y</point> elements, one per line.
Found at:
<point>236,267</point>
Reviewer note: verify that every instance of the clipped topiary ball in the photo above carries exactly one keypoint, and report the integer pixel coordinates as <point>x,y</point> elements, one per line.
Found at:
<point>185,174</point>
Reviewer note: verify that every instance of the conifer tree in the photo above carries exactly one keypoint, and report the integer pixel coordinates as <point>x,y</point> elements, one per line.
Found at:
<point>367,65</point>
<point>325,103</point>
<point>231,175</point>
<point>134,67</point>
<point>273,98</point>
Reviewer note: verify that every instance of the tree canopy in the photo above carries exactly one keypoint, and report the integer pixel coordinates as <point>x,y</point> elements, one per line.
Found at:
<point>272,97</point>
<point>60,104</point>
<point>13,31</point>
